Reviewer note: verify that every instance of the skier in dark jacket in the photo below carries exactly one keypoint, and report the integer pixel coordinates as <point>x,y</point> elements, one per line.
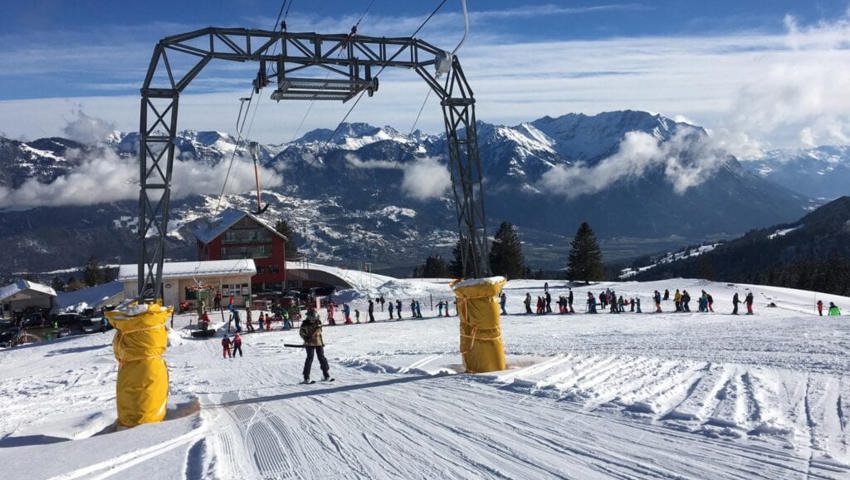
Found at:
<point>656,297</point>
<point>820,308</point>
<point>527,303</point>
<point>591,303</point>
<point>686,300</point>
<point>749,301</point>
<point>548,301</point>
<point>735,302</point>
<point>311,333</point>
<point>570,302</point>
<point>398,309</point>
<point>371,311</point>
<point>503,299</point>
<point>666,294</point>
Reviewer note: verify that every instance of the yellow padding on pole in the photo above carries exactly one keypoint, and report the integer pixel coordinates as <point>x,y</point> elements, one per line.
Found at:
<point>139,343</point>
<point>480,333</point>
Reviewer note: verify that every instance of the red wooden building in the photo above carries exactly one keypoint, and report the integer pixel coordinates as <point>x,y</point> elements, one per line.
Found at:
<point>235,234</point>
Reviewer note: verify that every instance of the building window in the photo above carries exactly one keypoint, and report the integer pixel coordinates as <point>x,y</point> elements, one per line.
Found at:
<point>247,235</point>
<point>268,269</point>
<point>246,251</point>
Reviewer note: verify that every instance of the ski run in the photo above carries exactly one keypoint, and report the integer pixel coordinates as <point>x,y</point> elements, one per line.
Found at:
<point>669,395</point>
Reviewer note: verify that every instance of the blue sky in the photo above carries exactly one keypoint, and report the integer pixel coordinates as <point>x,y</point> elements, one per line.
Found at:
<point>760,74</point>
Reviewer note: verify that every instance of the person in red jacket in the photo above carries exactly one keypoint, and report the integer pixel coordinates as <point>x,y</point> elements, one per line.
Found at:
<point>237,345</point>
<point>820,308</point>
<point>268,323</point>
<point>225,345</point>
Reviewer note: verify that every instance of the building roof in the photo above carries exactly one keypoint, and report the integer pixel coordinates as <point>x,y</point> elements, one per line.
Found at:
<point>226,219</point>
<point>212,268</point>
<point>24,290</point>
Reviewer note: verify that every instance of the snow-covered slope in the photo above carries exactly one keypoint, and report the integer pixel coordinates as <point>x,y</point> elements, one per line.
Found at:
<point>668,395</point>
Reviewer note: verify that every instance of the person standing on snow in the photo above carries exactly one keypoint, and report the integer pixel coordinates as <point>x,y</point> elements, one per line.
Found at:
<point>527,303</point>
<point>398,309</point>
<point>710,300</point>
<point>503,299</point>
<point>570,302</point>
<point>237,345</point>
<point>225,346</point>
<point>591,303</point>
<point>390,308</point>
<point>656,297</point>
<point>371,311</point>
<point>749,301</point>
<point>666,294</point>
<point>820,307</point>
<point>346,313</point>
<point>833,310</point>
<point>548,301</point>
<point>735,302</point>
<point>686,300</point>
<point>677,299</point>
<point>440,308</point>
<point>311,333</point>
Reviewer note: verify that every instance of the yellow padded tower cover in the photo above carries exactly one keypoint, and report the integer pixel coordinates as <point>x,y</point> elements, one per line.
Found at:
<point>480,331</point>
<point>139,343</point>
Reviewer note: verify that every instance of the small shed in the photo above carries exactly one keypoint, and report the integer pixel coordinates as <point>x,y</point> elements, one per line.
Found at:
<point>179,279</point>
<point>23,295</point>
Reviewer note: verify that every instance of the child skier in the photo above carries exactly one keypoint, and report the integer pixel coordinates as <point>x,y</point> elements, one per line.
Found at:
<point>225,345</point>
<point>237,345</point>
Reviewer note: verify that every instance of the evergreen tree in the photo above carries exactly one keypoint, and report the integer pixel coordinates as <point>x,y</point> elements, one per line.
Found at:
<point>506,257</point>
<point>434,267</point>
<point>291,245</point>
<point>456,269</point>
<point>93,273</point>
<point>585,260</point>
<point>57,284</point>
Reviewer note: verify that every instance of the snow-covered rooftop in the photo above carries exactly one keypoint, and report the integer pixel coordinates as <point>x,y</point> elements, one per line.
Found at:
<point>24,289</point>
<point>226,219</point>
<point>243,266</point>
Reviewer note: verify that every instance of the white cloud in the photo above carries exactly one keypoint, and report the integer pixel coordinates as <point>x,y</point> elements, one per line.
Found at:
<point>103,177</point>
<point>687,159</point>
<point>87,130</point>
<point>425,178</point>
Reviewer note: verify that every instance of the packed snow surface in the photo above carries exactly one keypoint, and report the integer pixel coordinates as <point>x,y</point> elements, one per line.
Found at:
<point>669,395</point>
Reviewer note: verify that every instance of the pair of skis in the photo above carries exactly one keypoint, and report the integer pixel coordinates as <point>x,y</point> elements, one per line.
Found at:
<point>310,382</point>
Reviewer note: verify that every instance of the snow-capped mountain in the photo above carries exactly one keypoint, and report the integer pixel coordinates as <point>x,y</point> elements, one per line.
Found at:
<point>821,172</point>
<point>372,194</point>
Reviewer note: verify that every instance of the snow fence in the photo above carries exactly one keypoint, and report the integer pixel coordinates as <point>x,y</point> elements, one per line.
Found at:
<point>480,332</point>
<point>139,343</point>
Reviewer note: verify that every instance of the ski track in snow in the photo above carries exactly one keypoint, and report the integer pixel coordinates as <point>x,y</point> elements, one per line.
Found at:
<point>606,396</point>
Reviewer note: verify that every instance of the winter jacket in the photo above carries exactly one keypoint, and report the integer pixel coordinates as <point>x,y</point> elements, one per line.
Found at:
<point>311,330</point>
<point>237,341</point>
<point>834,311</point>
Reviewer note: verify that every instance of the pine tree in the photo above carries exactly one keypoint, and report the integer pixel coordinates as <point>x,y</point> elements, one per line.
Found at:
<point>456,269</point>
<point>92,273</point>
<point>291,245</point>
<point>506,257</point>
<point>57,284</point>
<point>585,260</point>
<point>434,267</point>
